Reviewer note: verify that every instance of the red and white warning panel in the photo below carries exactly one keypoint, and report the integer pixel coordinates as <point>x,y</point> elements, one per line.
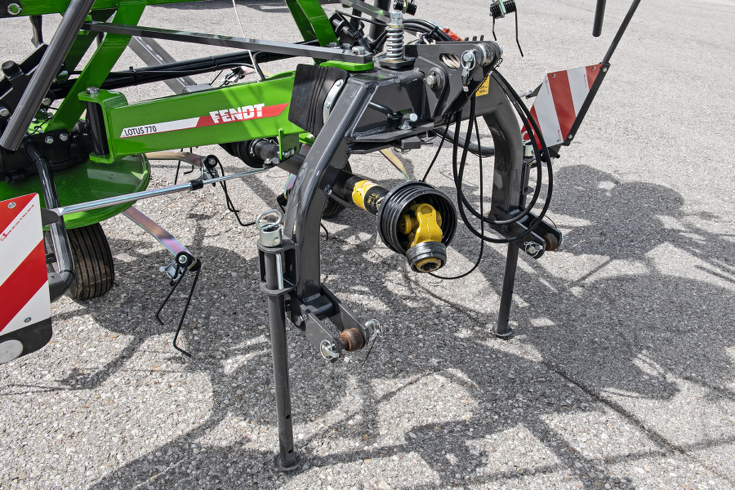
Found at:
<point>25,302</point>
<point>559,101</point>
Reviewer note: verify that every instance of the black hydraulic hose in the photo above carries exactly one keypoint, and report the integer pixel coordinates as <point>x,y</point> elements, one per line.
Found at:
<point>427,28</point>
<point>436,155</point>
<point>44,74</point>
<point>58,229</point>
<point>541,156</point>
<point>159,73</point>
<point>482,222</point>
<point>527,120</point>
<point>475,149</point>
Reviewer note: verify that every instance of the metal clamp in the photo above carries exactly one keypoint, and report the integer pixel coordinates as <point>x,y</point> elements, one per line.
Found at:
<point>328,350</point>
<point>270,232</point>
<point>532,248</point>
<point>468,63</point>
<point>374,329</point>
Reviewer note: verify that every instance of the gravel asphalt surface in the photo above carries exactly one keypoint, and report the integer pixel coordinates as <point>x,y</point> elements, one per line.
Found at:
<point>620,373</point>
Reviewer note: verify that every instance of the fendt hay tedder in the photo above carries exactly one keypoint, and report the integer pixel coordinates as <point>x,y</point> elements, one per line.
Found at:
<point>64,130</point>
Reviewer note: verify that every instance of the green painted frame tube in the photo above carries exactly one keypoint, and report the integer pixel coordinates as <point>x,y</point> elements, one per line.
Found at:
<point>220,115</point>
<point>99,66</point>
<point>43,7</point>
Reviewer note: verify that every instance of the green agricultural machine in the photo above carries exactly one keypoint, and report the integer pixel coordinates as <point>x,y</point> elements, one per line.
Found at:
<point>74,152</point>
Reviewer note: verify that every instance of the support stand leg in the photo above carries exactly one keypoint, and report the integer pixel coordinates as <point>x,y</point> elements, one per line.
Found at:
<point>287,458</point>
<point>502,330</point>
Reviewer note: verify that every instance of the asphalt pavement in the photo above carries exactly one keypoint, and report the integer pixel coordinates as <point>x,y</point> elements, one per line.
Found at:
<point>620,371</point>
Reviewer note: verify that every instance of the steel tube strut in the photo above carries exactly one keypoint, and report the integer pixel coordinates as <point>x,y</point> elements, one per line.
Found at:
<point>506,297</point>
<point>136,196</point>
<point>287,458</point>
<point>275,47</point>
<point>57,284</point>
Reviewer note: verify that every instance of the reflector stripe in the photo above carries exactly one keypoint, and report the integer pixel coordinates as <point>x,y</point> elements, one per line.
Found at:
<point>198,122</point>
<point>592,72</point>
<point>561,92</point>
<point>22,285</point>
<point>20,236</point>
<point>578,87</point>
<point>23,279</point>
<point>38,308</point>
<point>546,115</point>
<point>7,215</point>
<point>559,101</point>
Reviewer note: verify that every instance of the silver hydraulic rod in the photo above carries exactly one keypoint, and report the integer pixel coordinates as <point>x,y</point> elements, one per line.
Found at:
<point>136,196</point>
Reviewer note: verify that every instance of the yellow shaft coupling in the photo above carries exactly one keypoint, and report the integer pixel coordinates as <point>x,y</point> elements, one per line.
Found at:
<point>423,225</point>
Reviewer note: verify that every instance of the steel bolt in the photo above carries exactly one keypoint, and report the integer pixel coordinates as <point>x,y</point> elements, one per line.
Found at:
<point>48,140</point>
<point>93,91</point>
<point>431,80</point>
<point>27,320</point>
<point>63,137</point>
<point>14,9</point>
<point>46,101</point>
<point>413,117</point>
<point>358,50</point>
<point>11,205</point>
<point>468,56</point>
<point>4,112</point>
<point>183,260</point>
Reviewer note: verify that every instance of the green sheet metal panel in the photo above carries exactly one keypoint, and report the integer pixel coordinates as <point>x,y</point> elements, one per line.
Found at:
<point>220,115</point>
<point>41,7</point>
<point>88,182</point>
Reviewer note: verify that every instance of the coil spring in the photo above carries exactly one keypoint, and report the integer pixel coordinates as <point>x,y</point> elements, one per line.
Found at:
<point>394,44</point>
<point>510,7</point>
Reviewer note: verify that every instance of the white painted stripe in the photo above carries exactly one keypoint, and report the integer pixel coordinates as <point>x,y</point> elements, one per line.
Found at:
<point>38,308</point>
<point>546,113</point>
<point>162,127</point>
<point>578,85</point>
<point>20,238</point>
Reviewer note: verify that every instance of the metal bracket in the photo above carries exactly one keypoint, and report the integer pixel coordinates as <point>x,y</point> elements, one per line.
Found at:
<point>308,317</point>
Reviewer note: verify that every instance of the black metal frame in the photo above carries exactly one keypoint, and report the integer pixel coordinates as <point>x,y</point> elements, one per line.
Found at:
<point>354,126</point>
<point>363,118</point>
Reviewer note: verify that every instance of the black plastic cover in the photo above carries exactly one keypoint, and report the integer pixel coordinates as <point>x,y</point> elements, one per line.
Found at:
<point>311,86</point>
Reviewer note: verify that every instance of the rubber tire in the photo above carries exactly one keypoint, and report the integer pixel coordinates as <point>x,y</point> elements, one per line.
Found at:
<point>333,208</point>
<point>94,271</point>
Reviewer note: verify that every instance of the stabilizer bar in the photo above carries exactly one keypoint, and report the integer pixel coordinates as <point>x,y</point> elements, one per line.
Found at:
<point>290,49</point>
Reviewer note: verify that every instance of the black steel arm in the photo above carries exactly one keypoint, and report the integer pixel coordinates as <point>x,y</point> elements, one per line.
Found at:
<point>45,73</point>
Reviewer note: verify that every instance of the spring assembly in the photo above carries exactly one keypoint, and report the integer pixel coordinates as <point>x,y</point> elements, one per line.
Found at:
<point>394,43</point>
<point>496,12</point>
